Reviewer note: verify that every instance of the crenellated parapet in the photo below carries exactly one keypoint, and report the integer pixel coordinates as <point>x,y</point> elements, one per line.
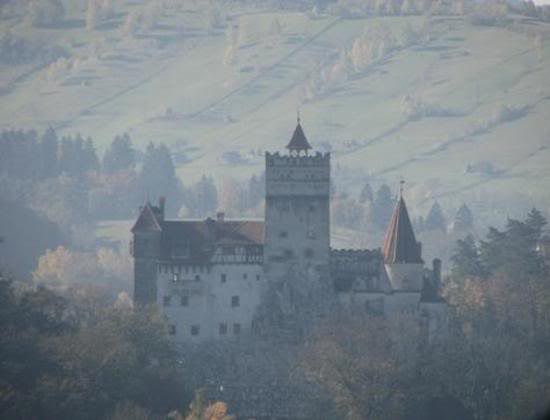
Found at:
<point>364,262</point>
<point>289,161</point>
<point>298,175</point>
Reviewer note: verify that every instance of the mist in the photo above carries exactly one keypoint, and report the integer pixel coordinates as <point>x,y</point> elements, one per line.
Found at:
<point>274,209</point>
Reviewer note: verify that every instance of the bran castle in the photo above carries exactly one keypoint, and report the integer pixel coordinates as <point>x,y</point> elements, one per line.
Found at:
<point>210,277</point>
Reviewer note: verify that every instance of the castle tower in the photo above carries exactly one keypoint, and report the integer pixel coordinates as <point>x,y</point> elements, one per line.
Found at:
<point>146,248</point>
<point>297,212</point>
<point>402,253</point>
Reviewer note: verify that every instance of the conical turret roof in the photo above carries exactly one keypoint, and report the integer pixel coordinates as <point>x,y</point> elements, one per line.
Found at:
<point>298,142</point>
<point>400,244</point>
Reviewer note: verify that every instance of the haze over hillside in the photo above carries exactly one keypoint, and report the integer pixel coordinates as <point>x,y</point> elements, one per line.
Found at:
<point>458,108</point>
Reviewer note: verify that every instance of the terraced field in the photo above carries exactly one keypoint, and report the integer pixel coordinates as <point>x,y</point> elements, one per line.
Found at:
<point>484,137</point>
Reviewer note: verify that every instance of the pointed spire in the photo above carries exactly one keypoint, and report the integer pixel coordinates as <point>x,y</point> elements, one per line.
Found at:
<point>400,244</point>
<point>298,142</point>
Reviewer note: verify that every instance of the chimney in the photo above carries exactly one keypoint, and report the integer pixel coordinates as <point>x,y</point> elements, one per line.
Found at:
<point>162,204</point>
<point>220,217</point>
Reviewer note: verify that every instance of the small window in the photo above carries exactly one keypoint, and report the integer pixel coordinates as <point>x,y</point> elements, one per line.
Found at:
<point>311,208</point>
<point>223,329</point>
<point>236,329</point>
<point>311,234</point>
<point>176,278</point>
<point>185,301</point>
<point>235,301</point>
<point>223,278</point>
<point>197,278</point>
<point>195,329</point>
<point>172,329</point>
<point>258,277</point>
<point>283,234</point>
<point>166,301</point>
<point>308,253</point>
<point>245,276</point>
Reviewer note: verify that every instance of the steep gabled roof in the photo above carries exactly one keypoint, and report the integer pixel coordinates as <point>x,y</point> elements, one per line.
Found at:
<point>147,220</point>
<point>400,244</point>
<point>194,241</point>
<point>298,142</point>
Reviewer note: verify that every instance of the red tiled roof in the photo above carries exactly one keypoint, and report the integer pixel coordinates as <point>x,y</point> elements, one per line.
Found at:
<point>147,219</point>
<point>298,141</point>
<point>197,239</point>
<point>400,244</point>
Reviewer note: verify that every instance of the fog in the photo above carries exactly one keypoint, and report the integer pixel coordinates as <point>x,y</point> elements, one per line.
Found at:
<point>274,209</point>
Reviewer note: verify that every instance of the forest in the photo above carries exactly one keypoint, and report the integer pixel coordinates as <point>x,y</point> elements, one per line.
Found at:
<point>76,353</point>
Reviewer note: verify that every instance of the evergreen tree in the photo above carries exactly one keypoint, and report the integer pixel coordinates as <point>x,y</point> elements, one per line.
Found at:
<point>67,156</point>
<point>256,190</point>
<point>205,195</point>
<point>120,155</point>
<point>366,194</point>
<point>49,166</point>
<point>436,219</point>
<point>89,157</point>
<point>383,206</point>
<point>514,250</point>
<point>158,177</point>
<point>466,259</point>
<point>464,220</point>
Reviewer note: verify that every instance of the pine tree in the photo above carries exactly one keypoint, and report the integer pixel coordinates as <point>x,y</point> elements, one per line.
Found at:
<point>205,196</point>
<point>89,156</point>
<point>383,206</point>
<point>366,194</point>
<point>464,220</point>
<point>120,156</point>
<point>158,177</point>
<point>466,259</point>
<point>436,219</point>
<point>49,166</point>
<point>256,190</point>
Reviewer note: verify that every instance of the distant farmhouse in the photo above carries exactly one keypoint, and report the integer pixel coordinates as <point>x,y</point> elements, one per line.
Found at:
<point>211,277</point>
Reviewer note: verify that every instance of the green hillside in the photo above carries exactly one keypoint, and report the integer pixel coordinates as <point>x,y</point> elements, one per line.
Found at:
<point>480,94</point>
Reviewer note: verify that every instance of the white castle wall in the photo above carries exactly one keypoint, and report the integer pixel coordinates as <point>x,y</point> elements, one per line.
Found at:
<point>405,276</point>
<point>210,299</point>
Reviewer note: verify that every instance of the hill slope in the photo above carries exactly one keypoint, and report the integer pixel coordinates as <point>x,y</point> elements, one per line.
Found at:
<point>460,111</point>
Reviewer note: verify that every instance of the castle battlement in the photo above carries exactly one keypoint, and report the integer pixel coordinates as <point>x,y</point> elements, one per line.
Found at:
<point>278,160</point>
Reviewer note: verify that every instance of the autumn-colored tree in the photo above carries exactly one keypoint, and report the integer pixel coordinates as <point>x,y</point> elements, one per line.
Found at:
<point>65,269</point>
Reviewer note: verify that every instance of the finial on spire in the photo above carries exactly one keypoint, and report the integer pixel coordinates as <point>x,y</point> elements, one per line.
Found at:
<point>401,187</point>
<point>298,119</point>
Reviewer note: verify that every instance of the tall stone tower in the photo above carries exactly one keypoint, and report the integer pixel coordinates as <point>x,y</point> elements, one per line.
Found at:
<point>146,249</point>
<point>297,212</point>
